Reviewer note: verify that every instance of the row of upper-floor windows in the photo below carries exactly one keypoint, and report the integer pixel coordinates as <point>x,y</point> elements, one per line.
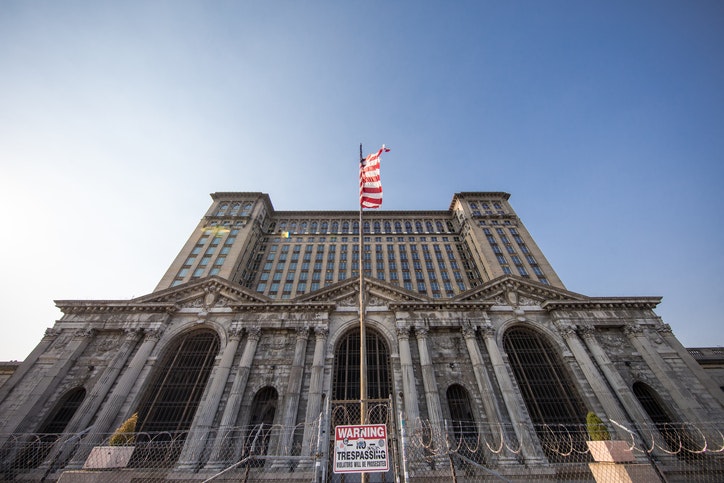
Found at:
<point>388,226</point>
<point>285,289</point>
<point>234,209</point>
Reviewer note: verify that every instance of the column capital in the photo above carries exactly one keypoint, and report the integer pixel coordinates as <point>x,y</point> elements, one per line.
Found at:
<point>321,332</point>
<point>586,330</point>
<point>468,331</point>
<point>421,332</point>
<point>632,330</point>
<point>488,330</point>
<point>133,333</point>
<point>85,332</point>
<point>234,333</point>
<point>253,332</point>
<point>153,334</point>
<point>302,332</point>
<point>403,332</point>
<point>566,329</point>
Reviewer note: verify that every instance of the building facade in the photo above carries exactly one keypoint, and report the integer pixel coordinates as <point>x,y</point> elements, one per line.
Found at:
<point>256,324</point>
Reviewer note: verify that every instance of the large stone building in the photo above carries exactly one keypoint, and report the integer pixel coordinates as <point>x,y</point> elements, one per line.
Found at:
<point>256,322</point>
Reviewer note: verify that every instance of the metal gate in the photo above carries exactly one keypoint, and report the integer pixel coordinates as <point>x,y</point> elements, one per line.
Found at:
<point>377,411</point>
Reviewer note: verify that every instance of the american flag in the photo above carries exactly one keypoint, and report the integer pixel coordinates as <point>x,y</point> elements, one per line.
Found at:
<point>370,186</point>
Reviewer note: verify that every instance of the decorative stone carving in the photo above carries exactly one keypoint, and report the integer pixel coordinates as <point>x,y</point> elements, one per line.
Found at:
<point>632,330</point>
<point>468,331</point>
<point>488,330</point>
<point>403,332</point>
<point>235,333</point>
<point>321,332</point>
<point>51,332</point>
<point>567,330</point>
<point>153,333</point>
<point>253,332</point>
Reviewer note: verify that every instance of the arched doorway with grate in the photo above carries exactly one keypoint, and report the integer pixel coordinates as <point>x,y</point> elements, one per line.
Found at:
<point>550,395</point>
<point>37,449</point>
<point>170,401</point>
<point>345,402</point>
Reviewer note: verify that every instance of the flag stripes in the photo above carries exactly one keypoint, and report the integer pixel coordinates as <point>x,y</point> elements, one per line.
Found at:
<point>370,186</point>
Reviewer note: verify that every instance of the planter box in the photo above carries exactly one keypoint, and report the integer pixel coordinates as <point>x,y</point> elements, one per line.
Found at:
<point>623,473</point>
<point>108,457</point>
<point>611,451</point>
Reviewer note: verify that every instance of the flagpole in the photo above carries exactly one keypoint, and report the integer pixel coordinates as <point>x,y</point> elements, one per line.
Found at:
<point>362,332</point>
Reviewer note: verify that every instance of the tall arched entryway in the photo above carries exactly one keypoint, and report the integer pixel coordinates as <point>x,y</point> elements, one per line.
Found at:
<point>345,403</point>
<point>676,435</point>
<point>170,401</point>
<point>51,429</point>
<point>551,397</point>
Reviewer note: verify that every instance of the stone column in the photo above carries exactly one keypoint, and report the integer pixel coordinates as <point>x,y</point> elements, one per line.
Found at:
<point>665,331</point>
<point>48,382</point>
<point>598,383</point>
<point>92,402</point>
<point>24,367</point>
<point>110,411</point>
<point>294,387</point>
<point>204,418</point>
<point>686,402</point>
<point>314,401</point>
<point>432,395</point>
<point>412,410</point>
<point>82,417</point>
<point>224,438</point>
<point>628,400</point>
<point>531,449</point>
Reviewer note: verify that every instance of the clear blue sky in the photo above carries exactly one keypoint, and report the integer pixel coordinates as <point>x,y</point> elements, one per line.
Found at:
<point>603,119</point>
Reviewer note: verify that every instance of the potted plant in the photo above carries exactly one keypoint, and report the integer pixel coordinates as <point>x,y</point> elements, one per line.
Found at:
<point>120,447</point>
<point>602,448</point>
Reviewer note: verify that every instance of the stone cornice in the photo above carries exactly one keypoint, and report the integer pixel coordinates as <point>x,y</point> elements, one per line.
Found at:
<point>105,306</point>
<point>440,305</point>
<point>603,303</point>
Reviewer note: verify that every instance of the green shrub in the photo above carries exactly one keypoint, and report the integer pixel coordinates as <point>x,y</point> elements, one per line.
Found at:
<point>124,435</point>
<point>596,429</point>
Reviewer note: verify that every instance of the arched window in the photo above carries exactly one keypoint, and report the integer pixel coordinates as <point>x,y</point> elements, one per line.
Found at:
<point>418,227</point>
<point>345,227</point>
<point>388,227</point>
<point>440,227</point>
<point>247,209</point>
<point>408,227</point>
<point>428,227</point>
<point>335,227</point>
<point>324,227</point>
<point>263,410</point>
<point>222,209</point>
<point>51,429</point>
<point>355,227</point>
<point>346,384</point>
<point>313,227</point>
<point>464,428</point>
<point>549,394</point>
<point>675,435</point>
<point>398,227</point>
<point>235,209</point>
<point>377,227</point>
<point>172,398</point>
<point>366,226</point>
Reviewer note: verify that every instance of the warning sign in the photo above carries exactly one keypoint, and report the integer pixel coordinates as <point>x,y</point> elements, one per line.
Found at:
<point>360,449</point>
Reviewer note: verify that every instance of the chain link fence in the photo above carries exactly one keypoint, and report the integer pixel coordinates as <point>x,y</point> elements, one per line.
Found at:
<point>424,451</point>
